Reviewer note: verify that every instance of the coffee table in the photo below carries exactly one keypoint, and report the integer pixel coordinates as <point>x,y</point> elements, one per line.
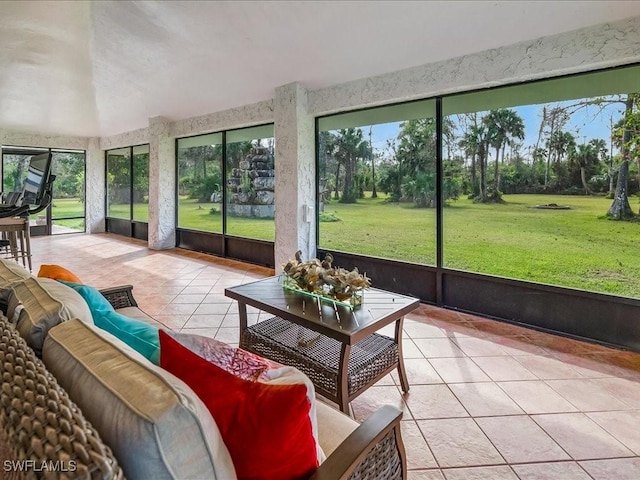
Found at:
<point>336,346</point>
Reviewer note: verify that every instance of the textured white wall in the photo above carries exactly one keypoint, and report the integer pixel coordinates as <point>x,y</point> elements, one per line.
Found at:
<point>247,115</point>
<point>25,139</point>
<point>295,174</point>
<point>161,185</point>
<point>127,139</point>
<point>578,51</point>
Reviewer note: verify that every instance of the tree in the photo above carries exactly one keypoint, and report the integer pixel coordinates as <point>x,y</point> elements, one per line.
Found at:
<point>503,125</point>
<point>630,143</point>
<point>416,155</point>
<point>374,193</point>
<point>585,156</point>
<point>349,146</point>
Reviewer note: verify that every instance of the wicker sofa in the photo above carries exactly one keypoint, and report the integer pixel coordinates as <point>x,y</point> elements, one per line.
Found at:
<point>51,425</point>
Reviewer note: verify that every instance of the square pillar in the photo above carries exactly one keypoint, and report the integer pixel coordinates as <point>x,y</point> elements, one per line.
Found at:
<point>162,184</point>
<point>295,175</point>
<point>95,187</point>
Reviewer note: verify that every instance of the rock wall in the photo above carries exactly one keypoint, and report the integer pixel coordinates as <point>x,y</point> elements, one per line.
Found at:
<point>251,186</point>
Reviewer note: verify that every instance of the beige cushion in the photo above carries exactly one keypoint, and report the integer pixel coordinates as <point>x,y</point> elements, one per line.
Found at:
<point>333,427</point>
<point>10,274</point>
<point>39,423</point>
<point>156,426</point>
<point>37,305</point>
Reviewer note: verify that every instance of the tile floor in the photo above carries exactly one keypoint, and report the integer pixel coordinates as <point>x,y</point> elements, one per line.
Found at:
<point>488,400</point>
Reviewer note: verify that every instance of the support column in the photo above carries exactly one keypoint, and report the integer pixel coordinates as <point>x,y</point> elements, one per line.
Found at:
<point>162,172</point>
<point>295,175</point>
<point>95,187</point>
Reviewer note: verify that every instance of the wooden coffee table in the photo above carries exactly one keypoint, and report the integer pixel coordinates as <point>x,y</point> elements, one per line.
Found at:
<point>335,346</point>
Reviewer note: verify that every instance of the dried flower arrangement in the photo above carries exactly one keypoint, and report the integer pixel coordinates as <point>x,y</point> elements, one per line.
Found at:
<point>325,280</point>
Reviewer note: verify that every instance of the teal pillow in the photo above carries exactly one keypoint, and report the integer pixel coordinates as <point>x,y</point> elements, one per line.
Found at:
<point>97,303</point>
<point>139,335</point>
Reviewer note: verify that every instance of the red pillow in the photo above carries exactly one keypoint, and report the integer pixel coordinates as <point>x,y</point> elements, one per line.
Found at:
<point>265,427</point>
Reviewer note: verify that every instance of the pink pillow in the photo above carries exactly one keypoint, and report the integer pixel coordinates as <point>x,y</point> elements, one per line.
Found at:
<point>266,427</point>
<point>240,363</point>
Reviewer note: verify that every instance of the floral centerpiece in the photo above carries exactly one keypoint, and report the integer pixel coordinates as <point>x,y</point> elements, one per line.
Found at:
<point>324,280</point>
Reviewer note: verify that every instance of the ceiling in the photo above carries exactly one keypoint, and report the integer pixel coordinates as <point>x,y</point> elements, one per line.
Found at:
<point>100,68</point>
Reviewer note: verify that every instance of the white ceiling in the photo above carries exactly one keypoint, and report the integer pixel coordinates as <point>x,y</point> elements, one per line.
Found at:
<point>101,68</point>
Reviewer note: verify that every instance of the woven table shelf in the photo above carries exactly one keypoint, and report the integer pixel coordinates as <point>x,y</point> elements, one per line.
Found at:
<point>318,356</point>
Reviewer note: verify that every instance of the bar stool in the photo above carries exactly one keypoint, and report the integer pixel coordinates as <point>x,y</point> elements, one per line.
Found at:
<point>16,241</point>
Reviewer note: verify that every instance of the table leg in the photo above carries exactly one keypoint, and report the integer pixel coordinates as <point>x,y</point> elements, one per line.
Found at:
<point>343,378</point>
<point>242,311</point>
<point>401,370</point>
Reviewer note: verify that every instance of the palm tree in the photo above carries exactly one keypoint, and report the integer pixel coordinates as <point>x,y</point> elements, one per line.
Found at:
<point>349,146</point>
<point>504,125</point>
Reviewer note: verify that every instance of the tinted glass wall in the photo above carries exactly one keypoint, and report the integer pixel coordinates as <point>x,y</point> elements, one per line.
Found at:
<point>68,205</point>
<point>539,164</point>
<point>377,182</point>
<point>532,175</point>
<point>250,180</point>
<point>66,214</point>
<point>226,183</point>
<point>128,183</point>
<point>200,182</point>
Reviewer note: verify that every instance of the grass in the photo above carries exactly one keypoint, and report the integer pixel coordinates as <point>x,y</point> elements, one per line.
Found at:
<point>576,248</point>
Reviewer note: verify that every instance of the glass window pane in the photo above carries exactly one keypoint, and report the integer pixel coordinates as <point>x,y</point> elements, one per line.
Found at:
<point>68,191</point>
<point>14,172</point>
<point>141,183</point>
<point>251,183</point>
<point>377,182</point>
<point>119,183</point>
<point>538,166</point>
<point>200,183</point>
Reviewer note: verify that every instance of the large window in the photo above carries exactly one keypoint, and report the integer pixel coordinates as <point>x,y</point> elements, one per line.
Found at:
<point>539,164</point>
<point>532,176</point>
<point>200,183</point>
<point>128,183</point>
<point>377,182</point>
<point>119,183</point>
<point>251,183</point>
<point>68,206</point>
<point>249,177</point>
<point>67,210</point>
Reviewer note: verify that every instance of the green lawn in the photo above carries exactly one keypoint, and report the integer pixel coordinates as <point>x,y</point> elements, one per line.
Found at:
<point>573,248</point>
<point>68,207</point>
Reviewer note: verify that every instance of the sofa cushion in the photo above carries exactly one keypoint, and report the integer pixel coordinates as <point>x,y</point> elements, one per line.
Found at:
<point>91,295</point>
<point>10,274</point>
<point>334,427</point>
<point>266,427</point>
<point>38,421</point>
<point>56,272</point>
<point>140,335</point>
<point>37,305</point>
<point>249,366</point>
<point>155,424</point>
<point>242,364</point>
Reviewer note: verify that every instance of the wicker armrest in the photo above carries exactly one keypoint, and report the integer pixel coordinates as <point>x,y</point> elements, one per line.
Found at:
<point>374,451</point>
<point>120,297</point>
